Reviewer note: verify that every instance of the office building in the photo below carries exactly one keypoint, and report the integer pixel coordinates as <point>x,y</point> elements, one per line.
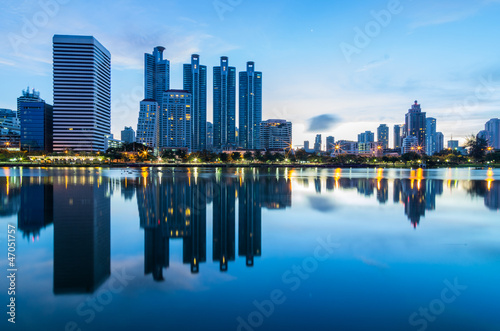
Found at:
<point>330,144</point>
<point>128,135</point>
<point>276,134</point>
<point>398,136</point>
<point>383,136</point>
<point>250,107</point>
<point>366,137</point>
<point>156,75</point>
<point>195,83</point>
<point>439,142</point>
<point>10,129</point>
<point>306,146</point>
<point>224,106</point>
<point>492,127</point>
<point>36,126</point>
<point>318,142</point>
<point>430,136</point>
<point>148,124</point>
<point>210,136</point>
<point>416,124</point>
<point>453,144</point>
<point>410,144</point>
<point>176,123</point>
<point>27,96</point>
<point>82,93</point>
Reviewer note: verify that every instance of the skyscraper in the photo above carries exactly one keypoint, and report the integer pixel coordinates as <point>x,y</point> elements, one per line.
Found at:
<point>128,135</point>
<point>492,128</point>
<point>317,143</point>
<point>366,137</point>
<point>82,93</point>
<point>416,124</point>
<point>250,107</point>
<point>195,83</point>
<point>398,136</point>
<point>224,105</point>
<point>176,123</point>
<point>330,144</point>
<point>27,96</point>
<point>148,124</point>
<point>430,136</point>
<point>383,136</point>
<point>276,134</point>
<point>36,126</point>
<point>439,141</point>
<point>156,75</point>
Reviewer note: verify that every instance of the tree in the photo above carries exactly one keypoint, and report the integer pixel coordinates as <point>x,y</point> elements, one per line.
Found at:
<point>223,157</point>
<point>412,156</point>
<point>301,155</point>
<point>236,156</point>
<point>248,156</point>
<point>477,147</point>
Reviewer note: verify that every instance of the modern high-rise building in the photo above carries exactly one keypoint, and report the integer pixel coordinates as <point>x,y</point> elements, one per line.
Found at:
<point>276,134</point>
<point>306,145</point>
<point>492,127</point>
<point>224,105</point>
<point>27,96</point>
<point>439,142</point>
<point>36,126</point>
<point>128,135</point>
<point>398,136</point>
<point>250,107</point>
<point>416,124</point>
<point>156,75</point>
<point>453,144</point>
<point>82,93</point>
<point>366,137</point>
<point>330,144</point>
<point>148,123</point>
<point>430,136</point>
<point>210,136</point>
<point>318,142</point>
<point>383,136</point>
<point>195,83</point>
<point>176,124</point>
<point>410,144</point>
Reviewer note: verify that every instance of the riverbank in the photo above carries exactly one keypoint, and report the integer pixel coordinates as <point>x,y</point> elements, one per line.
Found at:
<point>238,165</point>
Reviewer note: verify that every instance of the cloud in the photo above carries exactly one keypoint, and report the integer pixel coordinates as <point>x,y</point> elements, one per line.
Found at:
<point>375,64</point>
<point>6,62</point>
<point>322,122</point>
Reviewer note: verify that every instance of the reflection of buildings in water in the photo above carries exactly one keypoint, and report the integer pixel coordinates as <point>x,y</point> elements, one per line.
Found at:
<point>433,187</point>
<point>317,184</point>
<point>330,184</point>
<point>224,199</point>
<point>172,208</point>
<point>275,193</point>
<point>382,190</point>
<point>37,202</point>
<point>127,189</point>
<point>249,220</point>
<point>10,198</point>
<point>81,234</point>
<point>489,190</point>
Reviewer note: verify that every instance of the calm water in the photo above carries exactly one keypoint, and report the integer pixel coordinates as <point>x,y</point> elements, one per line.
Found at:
<point>253,249</point>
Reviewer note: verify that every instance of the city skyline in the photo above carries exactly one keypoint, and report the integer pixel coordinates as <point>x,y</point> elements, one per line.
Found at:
<point>373,88</point>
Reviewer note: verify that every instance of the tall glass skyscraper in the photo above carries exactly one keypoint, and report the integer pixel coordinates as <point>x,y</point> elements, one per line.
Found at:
<point>27,96</point>
<point>250,107</point>
<point>156,75</point>
<point>176,122</point>
<point>383,136</point>
<point>416,124</point>
<point>82,93</point>
<point>195,83</point>
<point>224,105</point>
<point>430,136</point>
<point>36,126</point>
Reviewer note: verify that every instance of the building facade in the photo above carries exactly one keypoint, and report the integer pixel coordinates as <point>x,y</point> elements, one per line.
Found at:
<point>27,96</point>
<point>177,120</point>
<point>410,144</point>
<point>439,142</point>
<point>276,135</point>
<point>416,124</point>
<point>128,135</point>
<point>82,93</point>
<point>430,136</point>
<point>398,136</point>
<point>330,144</point>
<point>318,142</point>
<point>250,107</point>
<point>492,127</point>
<point>148,124</point>
<point>195,83</point>
<point>156,75</point>
<point>383,136</point>
<point>36,126</point>
<point>224,106</point>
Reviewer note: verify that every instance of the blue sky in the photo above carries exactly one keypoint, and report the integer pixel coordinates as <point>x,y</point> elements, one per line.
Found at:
<point>445,54</point>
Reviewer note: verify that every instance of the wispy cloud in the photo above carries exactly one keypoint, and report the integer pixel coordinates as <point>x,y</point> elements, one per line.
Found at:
<point>375,64</point>
<point>7,62</point>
